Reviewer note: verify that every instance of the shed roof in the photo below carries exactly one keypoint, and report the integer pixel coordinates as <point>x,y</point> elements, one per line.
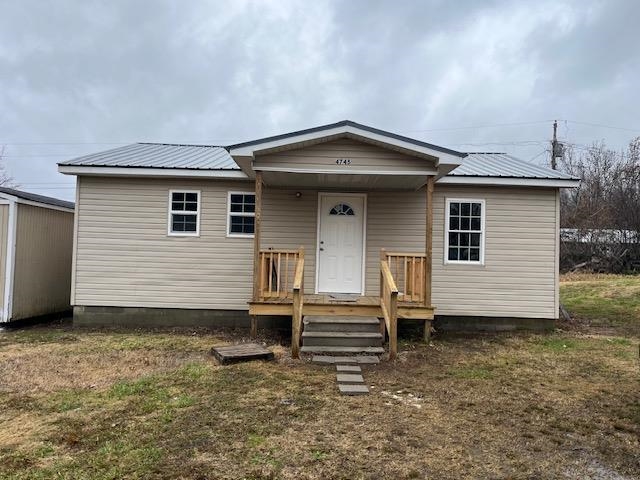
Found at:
<point>37,198</point>
<point>160,155</point>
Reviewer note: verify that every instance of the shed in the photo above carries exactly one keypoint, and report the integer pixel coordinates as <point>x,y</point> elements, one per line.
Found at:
<point>36,248</point>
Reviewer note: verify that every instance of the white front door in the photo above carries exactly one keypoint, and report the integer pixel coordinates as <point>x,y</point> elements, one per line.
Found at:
<point>340,242</point>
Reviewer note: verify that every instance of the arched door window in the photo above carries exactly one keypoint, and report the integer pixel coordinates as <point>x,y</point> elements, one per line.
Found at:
<point>341,209</point>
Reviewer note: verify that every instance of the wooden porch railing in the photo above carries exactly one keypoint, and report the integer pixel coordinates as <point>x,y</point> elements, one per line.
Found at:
<point>277,271</point>
<point>409,270</point>
<point>298,302</point>
<point>389,306</point>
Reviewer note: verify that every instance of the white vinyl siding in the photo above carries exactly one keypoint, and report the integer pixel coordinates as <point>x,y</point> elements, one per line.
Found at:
<point>344,155</point>
<point>119,265</point>
<point>127,260</point>
<point>518,277</point>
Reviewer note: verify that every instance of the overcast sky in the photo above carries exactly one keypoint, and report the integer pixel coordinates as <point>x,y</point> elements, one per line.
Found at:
<point>79,77</point>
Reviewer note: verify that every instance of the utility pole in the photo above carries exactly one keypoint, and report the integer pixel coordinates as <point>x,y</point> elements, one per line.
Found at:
<point>554,146</point>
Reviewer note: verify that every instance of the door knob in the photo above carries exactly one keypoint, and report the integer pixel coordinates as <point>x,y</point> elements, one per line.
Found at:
<point>321,249</point>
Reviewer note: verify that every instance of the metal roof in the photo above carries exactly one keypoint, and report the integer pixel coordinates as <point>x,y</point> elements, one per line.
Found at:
<point>503,165</point>
<point>160,155</point>
<point>208,157</point>
<point>37,198</point>
<point>349,123</point>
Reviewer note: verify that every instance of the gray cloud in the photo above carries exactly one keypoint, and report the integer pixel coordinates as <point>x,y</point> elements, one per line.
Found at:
<point>219,72</point>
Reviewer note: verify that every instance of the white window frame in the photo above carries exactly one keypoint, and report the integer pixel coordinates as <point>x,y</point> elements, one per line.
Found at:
<point>172,212</point>
<point>238,214</point>
<point>483,231</point>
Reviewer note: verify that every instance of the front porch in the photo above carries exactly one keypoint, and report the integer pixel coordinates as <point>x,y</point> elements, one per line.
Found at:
<point>404,284</point>
<point>360,201</point>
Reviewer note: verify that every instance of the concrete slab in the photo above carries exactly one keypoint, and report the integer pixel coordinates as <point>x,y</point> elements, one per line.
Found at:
<point>348,389</point>
<point>349,378</point>
<point>348,369</point>
<point>330,359</point>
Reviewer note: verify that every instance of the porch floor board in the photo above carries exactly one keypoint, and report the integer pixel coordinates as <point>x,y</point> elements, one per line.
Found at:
<point>324,304</point>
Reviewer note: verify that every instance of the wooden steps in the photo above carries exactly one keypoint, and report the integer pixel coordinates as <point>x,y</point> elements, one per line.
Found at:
<point>342,350</point>
<point>342,335</point>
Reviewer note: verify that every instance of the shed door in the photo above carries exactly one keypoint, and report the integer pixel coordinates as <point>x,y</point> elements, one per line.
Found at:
<point>340,243</point>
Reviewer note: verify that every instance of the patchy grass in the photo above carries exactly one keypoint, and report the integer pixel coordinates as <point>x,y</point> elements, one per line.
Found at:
<point>608,302</point>
<point>80,404</point>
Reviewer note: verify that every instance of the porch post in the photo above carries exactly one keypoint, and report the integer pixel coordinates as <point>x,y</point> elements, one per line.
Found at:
<point>428,253</point>
<point>256,238</point>
<point>256,250</point>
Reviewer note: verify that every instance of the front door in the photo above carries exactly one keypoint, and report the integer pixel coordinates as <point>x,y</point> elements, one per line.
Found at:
<point>340,242</point>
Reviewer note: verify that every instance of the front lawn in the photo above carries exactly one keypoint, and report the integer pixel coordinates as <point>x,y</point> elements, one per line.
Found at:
<point>80,404</point>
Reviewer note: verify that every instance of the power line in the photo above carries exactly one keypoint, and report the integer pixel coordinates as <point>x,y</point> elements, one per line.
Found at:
<point>636,130</point>
<point>512,124</point>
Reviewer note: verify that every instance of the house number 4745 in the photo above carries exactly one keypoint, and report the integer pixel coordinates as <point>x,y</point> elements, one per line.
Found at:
<point>343,161</point>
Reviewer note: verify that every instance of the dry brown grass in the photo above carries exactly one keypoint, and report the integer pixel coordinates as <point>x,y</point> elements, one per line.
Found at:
<point>80,404</point>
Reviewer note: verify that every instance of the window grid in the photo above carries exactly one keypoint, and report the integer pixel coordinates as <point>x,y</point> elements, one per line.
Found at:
<point>464,240</point>
<point>241,214</point>
<point>184,213</point>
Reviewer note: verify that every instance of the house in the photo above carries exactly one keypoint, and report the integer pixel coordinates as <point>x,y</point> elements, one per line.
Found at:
<point>340,220</point>
<point>36,240</point>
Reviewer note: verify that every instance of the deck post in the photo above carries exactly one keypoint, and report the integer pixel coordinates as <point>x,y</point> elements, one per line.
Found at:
<point>256,251</point>
<point>383,329</point>
<point>256,237</point>
<point>428,253</point>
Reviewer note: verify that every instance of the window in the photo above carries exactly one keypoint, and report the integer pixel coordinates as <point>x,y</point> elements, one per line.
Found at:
<point>241,214</point>
<point>184,212</point>
<point>464,239</point>
<point>341,209</point>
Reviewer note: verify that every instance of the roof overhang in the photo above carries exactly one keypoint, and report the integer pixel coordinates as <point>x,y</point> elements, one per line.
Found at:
<point>149,172</point>
<point>509,181</point>
<point>440,156</point>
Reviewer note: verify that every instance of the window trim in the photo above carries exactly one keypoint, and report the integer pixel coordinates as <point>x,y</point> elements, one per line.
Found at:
<point>238,214</point>
<point>483,232</point>
<point>171,212</point>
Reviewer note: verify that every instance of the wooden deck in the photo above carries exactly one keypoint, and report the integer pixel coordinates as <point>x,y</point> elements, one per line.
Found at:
<point>323,304</point>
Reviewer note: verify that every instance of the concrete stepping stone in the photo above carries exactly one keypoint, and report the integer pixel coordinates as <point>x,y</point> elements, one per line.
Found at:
<point>351,389</point>
<point>348,369</point>
<point>349,378</point>
<point>358,359</point>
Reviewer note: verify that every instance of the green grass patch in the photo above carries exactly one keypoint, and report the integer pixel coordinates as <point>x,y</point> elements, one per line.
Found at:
<point>611,301</point>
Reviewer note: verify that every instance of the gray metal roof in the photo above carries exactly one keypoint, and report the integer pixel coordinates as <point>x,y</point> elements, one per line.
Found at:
<point>37,198</point>
<point>350,123</point>
<point>160,155</point>
<point>503,165</point>
<point>207,157</point>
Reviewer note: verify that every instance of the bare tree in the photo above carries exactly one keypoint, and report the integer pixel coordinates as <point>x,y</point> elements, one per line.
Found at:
<point>6,180</point>
<point>603,213</point>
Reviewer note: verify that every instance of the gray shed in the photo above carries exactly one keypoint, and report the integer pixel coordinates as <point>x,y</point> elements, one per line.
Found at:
<point>36,245</point>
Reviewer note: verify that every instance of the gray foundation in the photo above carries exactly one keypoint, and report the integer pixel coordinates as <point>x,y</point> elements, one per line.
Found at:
<point>445,323</point>
<point>138,317</point>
